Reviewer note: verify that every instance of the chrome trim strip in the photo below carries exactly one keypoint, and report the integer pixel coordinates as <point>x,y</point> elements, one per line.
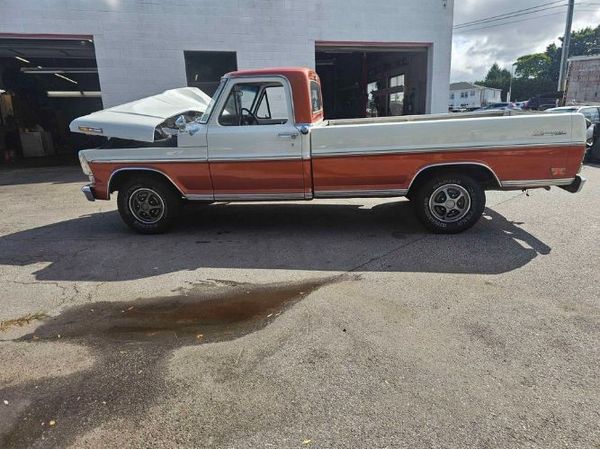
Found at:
<point>360,193</point>
<point>221,159</point>
<point>145,161</point>
<point>374,152</point>
<point>259,196</point>
<point>444,164</point>
<point>529,183</point>
<point>87,191</point>
<point>197,197</point>
<point>139,169</point>
<point>256,159</point>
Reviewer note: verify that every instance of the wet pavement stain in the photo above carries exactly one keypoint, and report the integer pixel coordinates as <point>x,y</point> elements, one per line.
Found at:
<point>130,343</point>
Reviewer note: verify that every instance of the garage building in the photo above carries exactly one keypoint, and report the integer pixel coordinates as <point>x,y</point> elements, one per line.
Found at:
<point>61,59</point>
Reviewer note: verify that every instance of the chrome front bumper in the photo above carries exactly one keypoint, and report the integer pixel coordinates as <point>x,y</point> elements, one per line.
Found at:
<point>87,191</point>
<point>576,185</point>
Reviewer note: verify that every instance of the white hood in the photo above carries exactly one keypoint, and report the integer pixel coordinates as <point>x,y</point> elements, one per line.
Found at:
<point>138,120</point>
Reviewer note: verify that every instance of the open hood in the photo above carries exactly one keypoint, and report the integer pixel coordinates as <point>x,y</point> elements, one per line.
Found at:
<point>138,120</point>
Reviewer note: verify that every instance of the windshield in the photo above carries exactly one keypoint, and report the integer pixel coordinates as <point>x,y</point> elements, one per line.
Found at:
<point>213,100</point>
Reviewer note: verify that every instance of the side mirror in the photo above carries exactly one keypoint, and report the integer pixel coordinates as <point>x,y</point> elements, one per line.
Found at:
<point>180,123</point>
<point>194,128</point>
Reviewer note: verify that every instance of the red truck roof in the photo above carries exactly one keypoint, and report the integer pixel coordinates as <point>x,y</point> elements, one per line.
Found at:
<point>300,79</point>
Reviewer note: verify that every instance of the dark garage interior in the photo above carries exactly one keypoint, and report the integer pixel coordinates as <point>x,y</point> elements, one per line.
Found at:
<point>372,81</point>
<point>204,69</point>
<point>44,84</point>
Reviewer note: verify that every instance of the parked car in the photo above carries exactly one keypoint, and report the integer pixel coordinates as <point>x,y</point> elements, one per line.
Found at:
<point>497,107</point>
<point>592,115</point>
<point>544,101</point>
<point>263,137</point>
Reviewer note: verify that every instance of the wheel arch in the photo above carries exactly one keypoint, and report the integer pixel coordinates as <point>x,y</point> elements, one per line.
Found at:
<point>119,176</point>
<point>479,171</point>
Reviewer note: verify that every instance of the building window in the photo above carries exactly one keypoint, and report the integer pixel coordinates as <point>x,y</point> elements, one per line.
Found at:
<point>204,69</point>
<point>472,93</point>
<point>397,81</point>
<point>464,95</point>
<point>396,98</point>
<point>451,96</point>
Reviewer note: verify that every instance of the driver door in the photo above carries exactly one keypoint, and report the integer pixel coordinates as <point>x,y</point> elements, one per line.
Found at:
<point>254,149</point>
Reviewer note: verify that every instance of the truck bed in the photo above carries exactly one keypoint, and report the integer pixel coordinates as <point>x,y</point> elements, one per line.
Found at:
<point>427,117</point>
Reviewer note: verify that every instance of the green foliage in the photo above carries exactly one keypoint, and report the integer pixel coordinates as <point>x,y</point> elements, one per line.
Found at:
<point>536,65</point>
<point>497,78</point>
<point>537,73</point>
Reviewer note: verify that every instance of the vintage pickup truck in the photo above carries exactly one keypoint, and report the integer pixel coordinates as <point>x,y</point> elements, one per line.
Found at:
<point>262,137</point>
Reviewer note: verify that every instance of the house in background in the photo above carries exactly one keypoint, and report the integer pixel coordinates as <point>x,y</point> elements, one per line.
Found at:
<point>471,96</point>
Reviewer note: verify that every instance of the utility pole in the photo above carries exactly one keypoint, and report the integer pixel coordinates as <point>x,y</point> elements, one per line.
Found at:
<point>562,77</point>
<point>512,75</point>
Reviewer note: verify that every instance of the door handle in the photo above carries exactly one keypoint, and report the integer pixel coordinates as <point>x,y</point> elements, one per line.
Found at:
<point>288,135</point>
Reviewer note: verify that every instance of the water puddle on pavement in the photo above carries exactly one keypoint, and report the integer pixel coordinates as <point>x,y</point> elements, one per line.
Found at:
<point>130,342</point>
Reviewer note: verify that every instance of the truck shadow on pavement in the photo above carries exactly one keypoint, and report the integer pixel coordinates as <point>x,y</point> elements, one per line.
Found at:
<point>325,237</point>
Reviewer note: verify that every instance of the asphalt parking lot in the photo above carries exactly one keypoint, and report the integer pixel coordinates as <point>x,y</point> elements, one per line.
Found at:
<point>326,324</point>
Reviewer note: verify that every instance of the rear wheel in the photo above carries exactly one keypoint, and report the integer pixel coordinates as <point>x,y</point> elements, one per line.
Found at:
<point>449,203</point>
<point>148,205</point>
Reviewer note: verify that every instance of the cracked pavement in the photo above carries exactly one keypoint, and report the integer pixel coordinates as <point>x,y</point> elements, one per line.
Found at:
<point>484,339</point>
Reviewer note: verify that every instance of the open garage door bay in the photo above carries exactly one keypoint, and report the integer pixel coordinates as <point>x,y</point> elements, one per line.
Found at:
<point>47,82</point>
<point>372,79</point>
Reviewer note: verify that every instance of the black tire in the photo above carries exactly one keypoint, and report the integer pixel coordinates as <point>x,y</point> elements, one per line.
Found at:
<point>469,203</point>
<point>162,199</point>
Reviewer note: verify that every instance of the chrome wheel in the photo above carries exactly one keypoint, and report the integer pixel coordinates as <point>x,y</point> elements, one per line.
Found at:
<point>449,203</point>
<point>146,205</point>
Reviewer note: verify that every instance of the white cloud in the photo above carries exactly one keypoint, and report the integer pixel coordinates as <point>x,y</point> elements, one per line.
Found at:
<point>475,51</point>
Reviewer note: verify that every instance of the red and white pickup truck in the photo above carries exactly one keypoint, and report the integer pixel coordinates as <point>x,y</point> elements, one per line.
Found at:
<point>262,137</point>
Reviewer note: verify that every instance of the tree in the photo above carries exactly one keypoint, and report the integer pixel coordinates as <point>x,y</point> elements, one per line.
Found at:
<point>537,73</point>
<point>536,65</point>
<point>585,42</point>
<point>497,78</point>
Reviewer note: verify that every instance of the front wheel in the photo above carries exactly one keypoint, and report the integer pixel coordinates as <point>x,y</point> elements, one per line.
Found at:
<point>148,205</point>
<point>449,203</point>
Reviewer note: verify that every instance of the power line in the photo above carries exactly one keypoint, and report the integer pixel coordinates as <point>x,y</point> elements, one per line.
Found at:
<point>483,22</point>
<point>518,21</point>
<point>526,11</point>
<point>510,13</point>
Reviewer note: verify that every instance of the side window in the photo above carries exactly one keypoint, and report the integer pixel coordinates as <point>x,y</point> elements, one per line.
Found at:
<point>239,105</point>
<point>315,96</point>
<point>255,104</point>
<point>273,105</point>
<point>591,114</point>
<point>248,95</point>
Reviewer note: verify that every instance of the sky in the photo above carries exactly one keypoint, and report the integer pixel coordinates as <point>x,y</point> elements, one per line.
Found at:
<point>477,47</point>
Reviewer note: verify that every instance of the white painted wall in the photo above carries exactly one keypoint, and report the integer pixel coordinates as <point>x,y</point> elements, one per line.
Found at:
<point>140,43</point>
<point>492,96</point>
